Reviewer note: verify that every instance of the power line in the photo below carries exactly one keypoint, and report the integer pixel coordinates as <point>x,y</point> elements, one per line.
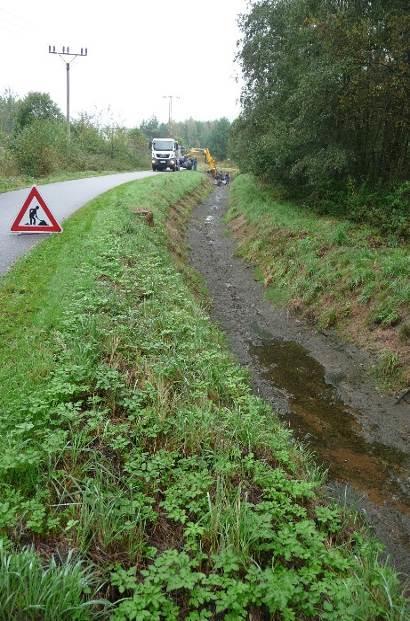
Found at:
<point>170,101</point>
<point>65,51</point>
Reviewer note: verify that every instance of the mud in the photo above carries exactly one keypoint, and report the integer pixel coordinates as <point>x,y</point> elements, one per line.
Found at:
<point>318,385</point>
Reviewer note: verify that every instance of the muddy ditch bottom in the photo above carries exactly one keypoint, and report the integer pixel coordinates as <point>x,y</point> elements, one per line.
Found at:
<point>316,383</point>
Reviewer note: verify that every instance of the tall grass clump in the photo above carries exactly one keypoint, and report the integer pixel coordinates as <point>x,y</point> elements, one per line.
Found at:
<point>32,590</point>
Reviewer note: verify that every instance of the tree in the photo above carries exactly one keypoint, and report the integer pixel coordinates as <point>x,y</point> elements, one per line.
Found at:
<point>219,137</point>
<point>150,128</point>
<point>138,145</point>
<point>8,112</point>
<point>37,107</point>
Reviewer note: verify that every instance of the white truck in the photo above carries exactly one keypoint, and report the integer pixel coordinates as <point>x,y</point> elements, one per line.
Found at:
<point>165,154</point>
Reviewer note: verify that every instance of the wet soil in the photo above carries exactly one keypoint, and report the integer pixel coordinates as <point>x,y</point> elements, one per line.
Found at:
<point>318,385</point>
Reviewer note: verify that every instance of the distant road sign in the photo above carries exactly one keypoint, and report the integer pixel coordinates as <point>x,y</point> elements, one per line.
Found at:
<point>35,216</point>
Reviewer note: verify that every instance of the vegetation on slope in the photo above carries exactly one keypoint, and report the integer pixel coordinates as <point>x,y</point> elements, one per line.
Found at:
<point>338,273</point>
<point>129,436</point>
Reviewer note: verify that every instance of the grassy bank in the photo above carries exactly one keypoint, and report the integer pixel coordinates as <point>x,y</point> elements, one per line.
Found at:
<point>339,274</point>
<point>133,448</point>
<point>23,181</point>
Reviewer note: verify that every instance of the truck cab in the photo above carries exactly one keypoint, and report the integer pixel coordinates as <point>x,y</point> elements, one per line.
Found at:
<point>165,154</point>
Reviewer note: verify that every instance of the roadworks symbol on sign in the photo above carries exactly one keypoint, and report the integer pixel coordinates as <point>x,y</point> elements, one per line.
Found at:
<point>35,216</point>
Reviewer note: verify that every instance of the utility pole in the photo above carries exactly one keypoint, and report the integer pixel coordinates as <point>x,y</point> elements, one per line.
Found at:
<point>170,100</point>
<point>65,51</point>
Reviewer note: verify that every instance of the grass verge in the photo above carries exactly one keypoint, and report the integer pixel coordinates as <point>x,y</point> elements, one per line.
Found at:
<point>130,440</point>
<point>15,183</point>
<point>339,274</point>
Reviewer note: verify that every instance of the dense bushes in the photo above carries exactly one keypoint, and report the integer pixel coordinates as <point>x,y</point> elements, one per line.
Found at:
<point>325,104</point>
<point>34,140</point>
<point>40,147</point>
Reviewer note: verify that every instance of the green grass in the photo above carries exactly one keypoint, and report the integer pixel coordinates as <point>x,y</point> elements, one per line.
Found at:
<point>128,434</point>
<point>23,181</point>
<point>32,590</point>
<point>343,274</point>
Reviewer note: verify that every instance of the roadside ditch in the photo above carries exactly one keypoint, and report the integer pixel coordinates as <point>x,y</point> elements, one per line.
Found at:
<point>317,384</point>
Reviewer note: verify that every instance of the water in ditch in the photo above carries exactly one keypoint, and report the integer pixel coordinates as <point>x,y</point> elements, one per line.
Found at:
<point>331,427</point>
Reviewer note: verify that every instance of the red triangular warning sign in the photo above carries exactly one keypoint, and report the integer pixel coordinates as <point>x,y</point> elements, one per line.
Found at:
<point>35,216</point>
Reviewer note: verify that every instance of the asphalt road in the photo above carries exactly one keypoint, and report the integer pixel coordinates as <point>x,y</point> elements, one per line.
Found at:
<point>62,198</point>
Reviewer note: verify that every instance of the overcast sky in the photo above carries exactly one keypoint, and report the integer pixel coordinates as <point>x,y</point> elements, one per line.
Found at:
<point>138,51</point>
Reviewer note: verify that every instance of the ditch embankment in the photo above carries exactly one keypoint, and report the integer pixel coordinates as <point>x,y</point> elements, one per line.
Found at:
<point>337,275</point>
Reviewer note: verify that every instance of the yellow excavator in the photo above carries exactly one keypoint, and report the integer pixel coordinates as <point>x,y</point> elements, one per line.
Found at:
<point>208,157</point>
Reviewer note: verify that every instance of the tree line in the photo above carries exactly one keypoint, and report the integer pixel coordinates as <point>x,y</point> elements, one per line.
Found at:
<point>326,106</point>
<point>191,133</point>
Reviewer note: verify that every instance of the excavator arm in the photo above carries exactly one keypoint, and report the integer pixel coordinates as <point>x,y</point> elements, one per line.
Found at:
<point>208,157</point>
